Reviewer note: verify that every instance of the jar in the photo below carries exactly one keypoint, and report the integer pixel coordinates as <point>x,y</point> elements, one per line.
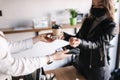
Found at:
<point>56,30</point>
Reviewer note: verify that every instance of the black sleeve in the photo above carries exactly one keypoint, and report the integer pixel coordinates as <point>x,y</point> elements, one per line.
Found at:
<point>106,37</point>
<point>67,36</point>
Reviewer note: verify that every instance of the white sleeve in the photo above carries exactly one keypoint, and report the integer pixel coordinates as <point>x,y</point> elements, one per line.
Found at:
<point>17,67</point>
<point>20,45</point>
<point>22,66</point>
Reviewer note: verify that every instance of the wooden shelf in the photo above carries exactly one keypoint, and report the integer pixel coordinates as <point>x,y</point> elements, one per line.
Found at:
<point>10,31</point>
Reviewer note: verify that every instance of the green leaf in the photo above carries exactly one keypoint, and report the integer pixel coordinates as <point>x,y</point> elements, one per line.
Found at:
<point>73,13</point>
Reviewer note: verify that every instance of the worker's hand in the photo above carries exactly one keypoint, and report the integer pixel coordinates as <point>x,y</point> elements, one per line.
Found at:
<point>46,37</point>
<point>74,42</point>
<point>61,36</point>
<point>60,55</point>
<point>55,37</point>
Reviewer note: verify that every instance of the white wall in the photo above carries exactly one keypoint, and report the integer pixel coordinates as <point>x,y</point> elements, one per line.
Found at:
<point>114,42</point>
<point>112,53</point>
<point>17,10</point>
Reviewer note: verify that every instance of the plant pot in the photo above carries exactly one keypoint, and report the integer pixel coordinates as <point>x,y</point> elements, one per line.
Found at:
<point>73,21</point>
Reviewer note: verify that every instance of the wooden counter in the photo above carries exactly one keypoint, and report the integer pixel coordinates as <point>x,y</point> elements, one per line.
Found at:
<point>9,31</point>
<point>66,73</point>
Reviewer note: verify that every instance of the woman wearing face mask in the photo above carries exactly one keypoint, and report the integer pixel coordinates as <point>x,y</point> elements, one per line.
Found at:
<point>93,41</point>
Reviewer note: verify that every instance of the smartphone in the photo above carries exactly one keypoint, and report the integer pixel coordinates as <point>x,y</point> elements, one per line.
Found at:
<point>74,51</point>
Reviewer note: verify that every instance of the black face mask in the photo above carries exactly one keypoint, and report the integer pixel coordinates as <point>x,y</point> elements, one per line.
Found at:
<point>98,12</point>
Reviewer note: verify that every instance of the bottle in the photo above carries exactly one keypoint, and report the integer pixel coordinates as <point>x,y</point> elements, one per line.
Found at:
<point>53,18</point>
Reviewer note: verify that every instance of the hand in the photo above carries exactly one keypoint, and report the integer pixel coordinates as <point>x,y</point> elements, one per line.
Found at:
<point>46,37</point>
<point>60,55</point>
<point>74,42</point>
<point>43,37</point>
<point>61,36</point>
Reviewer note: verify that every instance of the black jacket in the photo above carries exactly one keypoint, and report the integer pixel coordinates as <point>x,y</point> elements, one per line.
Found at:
<point>95,44</point>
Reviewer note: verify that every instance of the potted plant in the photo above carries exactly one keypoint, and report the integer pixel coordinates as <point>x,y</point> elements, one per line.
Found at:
<point>73,19</point>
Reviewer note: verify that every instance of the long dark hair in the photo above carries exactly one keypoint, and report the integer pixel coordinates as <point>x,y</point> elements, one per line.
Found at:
<point>109,6</point>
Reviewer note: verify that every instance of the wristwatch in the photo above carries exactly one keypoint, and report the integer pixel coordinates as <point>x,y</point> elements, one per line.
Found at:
<point>50,59</point>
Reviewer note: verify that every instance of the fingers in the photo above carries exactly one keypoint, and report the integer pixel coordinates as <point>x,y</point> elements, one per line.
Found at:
<point>66,51</point>
<point>74,42</point>
<point>68,55</point>
<point>63,52</point>
<point>61,55</point>
<point>49,34</point>
<point>72,39</point>
<point>61,36</point>
<point>48,37</point>
<point>52,37</point>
